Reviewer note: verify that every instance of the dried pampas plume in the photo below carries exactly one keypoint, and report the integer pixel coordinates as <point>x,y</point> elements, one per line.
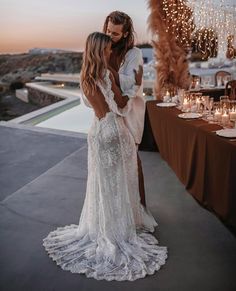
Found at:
<point>171,24</point>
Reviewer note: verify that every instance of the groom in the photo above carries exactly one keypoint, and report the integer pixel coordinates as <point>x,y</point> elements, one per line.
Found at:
<point>126,64</point>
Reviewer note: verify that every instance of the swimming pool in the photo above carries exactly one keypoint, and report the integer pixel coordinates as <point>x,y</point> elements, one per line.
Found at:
<point>77,119</point>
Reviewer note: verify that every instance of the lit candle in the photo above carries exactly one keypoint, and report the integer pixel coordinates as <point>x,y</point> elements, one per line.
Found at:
<point>217,115</point>
<point>232,115</point>
<point>167,96</point>
<point>225,118</point>
<point>185,104</point>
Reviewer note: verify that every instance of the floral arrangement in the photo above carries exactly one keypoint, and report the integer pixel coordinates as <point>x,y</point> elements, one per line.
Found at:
<point>171,23</point>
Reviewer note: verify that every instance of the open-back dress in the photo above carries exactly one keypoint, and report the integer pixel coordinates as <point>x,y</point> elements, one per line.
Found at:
<point>113,239</point>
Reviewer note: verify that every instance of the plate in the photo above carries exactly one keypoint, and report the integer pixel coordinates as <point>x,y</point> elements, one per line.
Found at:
<point>166,104</point>
<point>228,132</point>
<point>189,115</point>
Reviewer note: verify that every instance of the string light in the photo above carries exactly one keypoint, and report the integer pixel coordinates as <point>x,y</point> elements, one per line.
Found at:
<point>179,22</point>
<point>205,41</point>
<point>215,22</point>
<point>203,24</point>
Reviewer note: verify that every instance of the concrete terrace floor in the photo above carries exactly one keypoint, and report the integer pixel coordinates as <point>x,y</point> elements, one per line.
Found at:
<point>43,181</point>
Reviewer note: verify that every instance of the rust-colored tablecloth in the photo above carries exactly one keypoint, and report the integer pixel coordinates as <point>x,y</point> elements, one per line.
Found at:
<point>204,162</point>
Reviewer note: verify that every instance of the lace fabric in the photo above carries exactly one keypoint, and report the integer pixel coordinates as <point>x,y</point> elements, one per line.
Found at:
<point>112,240</point>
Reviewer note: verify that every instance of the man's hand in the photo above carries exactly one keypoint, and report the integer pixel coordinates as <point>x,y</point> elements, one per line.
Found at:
<point>138,76</point>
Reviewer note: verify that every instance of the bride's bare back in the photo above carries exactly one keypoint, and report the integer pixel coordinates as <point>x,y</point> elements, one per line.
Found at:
<point>100,106</point>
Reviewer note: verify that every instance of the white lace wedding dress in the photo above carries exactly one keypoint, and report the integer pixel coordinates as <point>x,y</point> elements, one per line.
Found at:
<point>112,240</point>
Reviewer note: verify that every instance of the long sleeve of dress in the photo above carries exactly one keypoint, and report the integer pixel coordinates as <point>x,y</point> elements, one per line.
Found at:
<point>109,97</point>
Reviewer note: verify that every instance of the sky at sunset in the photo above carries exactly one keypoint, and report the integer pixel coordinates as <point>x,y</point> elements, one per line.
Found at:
<point>61,24</point>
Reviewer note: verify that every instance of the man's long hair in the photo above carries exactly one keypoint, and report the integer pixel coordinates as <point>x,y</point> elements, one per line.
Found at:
<point>94,61</point>
<point>117,18</point>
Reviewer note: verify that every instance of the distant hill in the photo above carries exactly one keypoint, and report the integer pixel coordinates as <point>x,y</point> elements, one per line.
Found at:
<point>25,67</point>
<point>46,51</point>
<point>16,70</point>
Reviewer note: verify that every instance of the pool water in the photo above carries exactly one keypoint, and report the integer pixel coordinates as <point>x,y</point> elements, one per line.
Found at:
<point>77,119</point>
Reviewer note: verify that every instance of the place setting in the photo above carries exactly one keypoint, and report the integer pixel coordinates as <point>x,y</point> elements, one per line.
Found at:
<point>193,105</point>
<point>227,132</point>
<point>190,115</point>
<point>196,106</point>
<point>224,114</point>
<point>166,104</point>
<point>168,101</point>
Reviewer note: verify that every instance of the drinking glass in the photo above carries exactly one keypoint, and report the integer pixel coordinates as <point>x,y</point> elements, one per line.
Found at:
<point>224,102</point>
<point>205,100</point>
<point>181,96</point>
<point>198,101</point>
<point>210,105</point>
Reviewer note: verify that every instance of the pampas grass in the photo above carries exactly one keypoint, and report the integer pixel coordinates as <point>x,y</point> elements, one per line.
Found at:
<point>170,52</point>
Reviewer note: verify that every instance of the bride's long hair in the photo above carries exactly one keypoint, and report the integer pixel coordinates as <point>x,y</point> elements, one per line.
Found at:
<point>94,61</point>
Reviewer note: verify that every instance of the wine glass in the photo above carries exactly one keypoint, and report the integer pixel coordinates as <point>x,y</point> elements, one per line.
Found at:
<point>181,96</point>
<point>210,106</point>
<point>205,100</point>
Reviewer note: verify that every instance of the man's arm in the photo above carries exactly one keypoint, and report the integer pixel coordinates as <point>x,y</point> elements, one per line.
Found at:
<point>138,75</point>
<point>127,77</point>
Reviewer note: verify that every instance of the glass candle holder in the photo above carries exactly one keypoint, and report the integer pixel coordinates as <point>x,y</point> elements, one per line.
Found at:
<point>224,102</point>
<point>225,118</point>
<point>186,105</point>
<point>232,113</point>
<point>217,112</point>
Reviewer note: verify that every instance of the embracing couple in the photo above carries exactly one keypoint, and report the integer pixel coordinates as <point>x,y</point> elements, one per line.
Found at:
<point>113,239</point>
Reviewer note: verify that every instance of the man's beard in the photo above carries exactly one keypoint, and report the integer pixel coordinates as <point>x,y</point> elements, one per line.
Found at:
<point>119,50</point>
<point>119,45</point>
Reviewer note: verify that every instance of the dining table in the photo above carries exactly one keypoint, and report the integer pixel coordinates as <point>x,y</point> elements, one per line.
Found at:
<point>203,161</point>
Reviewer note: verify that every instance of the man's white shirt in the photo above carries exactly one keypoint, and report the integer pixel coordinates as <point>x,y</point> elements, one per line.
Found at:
<point>133,59</point>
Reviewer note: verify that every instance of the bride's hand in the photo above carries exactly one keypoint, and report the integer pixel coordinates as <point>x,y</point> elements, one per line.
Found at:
<point>138,75</point>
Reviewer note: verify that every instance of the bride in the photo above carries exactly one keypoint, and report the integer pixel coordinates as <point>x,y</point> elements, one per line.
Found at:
<point>112,240</point>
